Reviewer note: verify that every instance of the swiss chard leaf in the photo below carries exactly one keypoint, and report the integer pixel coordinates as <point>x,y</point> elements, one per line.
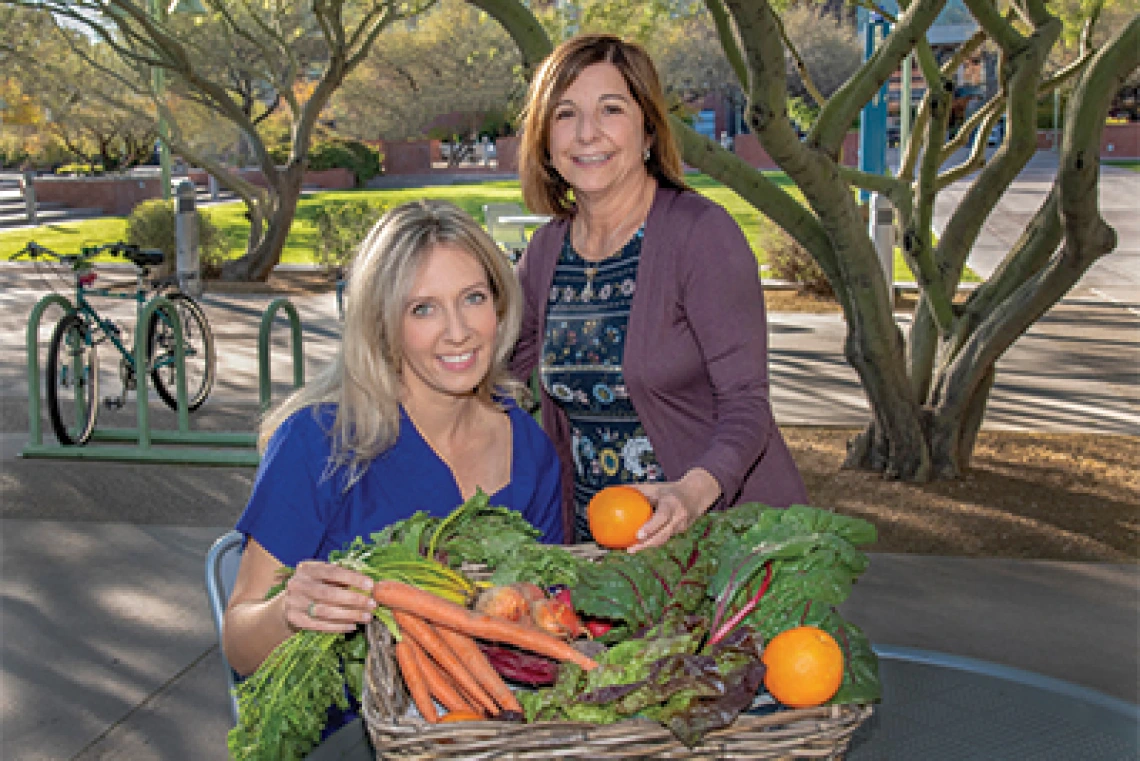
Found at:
<point>661,677</point>
<point>636,589</point>
<point>740,673</point>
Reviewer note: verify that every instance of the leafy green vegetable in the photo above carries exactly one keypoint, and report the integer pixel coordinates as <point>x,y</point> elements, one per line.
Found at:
<point>478,532</point>
<point>813,563</point>
<point>751,565</point>
<point>636,589</point>
<point>283,706</point>
<point>661,677</point>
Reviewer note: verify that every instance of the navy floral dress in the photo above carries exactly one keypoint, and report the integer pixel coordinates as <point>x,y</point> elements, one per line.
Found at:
<point>587,315</point>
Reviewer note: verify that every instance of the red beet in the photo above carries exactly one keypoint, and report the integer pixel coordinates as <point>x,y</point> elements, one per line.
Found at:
<point>521,667</point>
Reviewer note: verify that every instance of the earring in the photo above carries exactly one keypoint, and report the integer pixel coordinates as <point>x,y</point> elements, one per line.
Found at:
<point>646,157</point>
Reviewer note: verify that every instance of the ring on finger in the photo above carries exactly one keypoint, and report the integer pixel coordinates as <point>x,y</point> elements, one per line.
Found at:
<point>312,607</point>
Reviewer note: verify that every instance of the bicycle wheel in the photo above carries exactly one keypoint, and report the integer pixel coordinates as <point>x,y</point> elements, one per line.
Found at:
<point>198,343</point>
<point>72,382</point>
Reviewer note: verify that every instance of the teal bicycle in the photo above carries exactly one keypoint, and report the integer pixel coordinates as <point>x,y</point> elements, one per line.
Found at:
<point>72,373</point>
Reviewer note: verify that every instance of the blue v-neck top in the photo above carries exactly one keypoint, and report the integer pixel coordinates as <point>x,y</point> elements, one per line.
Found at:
<point>298,511</point>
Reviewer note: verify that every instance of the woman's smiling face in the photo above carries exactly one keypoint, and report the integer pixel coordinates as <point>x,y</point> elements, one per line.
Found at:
<point>597,134</point>
<point>449,325</point>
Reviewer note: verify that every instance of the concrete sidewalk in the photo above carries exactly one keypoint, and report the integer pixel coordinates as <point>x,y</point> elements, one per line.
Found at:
<point>107,649</point>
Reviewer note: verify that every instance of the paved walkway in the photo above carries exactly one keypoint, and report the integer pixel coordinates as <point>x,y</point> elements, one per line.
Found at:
<point>108,650</point>
<point>1113,278</point>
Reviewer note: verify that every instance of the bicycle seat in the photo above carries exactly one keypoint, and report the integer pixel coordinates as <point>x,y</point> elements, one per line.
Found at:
<point>146,257</point>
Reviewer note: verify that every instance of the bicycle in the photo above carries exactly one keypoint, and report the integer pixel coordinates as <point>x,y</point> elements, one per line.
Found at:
<point>72,376</point>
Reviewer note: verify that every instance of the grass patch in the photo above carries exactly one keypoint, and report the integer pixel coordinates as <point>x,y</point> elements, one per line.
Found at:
<point>1133,164</point>
<point>300,246</point>
<point>66,237</point>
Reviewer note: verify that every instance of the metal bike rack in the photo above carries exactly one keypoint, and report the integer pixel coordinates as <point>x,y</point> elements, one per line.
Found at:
<point>187,445</point>
<point>264,381</point>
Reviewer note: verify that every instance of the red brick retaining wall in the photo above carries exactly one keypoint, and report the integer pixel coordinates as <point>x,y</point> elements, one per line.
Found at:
<point>325,179</point>
<point>116,196</point>
<point>1118,141</point>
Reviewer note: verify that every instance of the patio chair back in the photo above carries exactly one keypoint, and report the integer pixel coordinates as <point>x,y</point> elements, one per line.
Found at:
<point>222,563</point>
<point>510,237</point>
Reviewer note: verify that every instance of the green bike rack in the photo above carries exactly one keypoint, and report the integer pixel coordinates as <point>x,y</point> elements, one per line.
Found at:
<point>242,445</point>
<point>264,381</point>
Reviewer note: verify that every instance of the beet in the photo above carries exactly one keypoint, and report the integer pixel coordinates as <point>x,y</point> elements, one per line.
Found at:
<point>519,666</point>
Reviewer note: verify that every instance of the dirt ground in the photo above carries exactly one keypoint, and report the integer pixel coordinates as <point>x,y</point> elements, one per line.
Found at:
<point>1025,495</point>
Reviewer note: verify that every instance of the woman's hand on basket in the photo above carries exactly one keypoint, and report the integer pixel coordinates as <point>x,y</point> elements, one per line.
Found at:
<point>327,598</point>
<point>676,506</point>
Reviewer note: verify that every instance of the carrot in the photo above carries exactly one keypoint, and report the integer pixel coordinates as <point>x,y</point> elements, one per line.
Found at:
<point>465,648</point>
<point>404,597</point>
<point>429,640</point>
<point>413,678</point>
<point>439,684</point>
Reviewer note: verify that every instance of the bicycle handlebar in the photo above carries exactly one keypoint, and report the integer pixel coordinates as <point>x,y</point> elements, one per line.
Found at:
<point>140,257</point>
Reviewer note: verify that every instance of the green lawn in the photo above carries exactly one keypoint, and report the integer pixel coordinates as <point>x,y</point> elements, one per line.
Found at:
<point>1133,164</point>
<point>300,246</point>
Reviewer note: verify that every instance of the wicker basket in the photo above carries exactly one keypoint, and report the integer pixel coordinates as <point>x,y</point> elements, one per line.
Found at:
<point>397,731</point>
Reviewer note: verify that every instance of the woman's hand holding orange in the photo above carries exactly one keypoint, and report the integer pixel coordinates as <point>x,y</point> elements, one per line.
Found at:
<point>327,598</point>
<point>676,506</point>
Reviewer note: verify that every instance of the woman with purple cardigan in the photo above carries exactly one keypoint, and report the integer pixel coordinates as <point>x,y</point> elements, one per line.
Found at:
<point>644,312</point>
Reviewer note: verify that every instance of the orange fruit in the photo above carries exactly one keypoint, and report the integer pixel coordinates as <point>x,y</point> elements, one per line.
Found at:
<point>462,716</point>
<point>615,514</point>
<point>805,667</point>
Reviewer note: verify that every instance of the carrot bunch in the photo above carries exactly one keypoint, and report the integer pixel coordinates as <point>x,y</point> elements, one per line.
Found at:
<point>440,659</point>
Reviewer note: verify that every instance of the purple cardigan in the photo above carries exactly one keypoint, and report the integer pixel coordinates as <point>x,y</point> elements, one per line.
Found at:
<point>696,356</point>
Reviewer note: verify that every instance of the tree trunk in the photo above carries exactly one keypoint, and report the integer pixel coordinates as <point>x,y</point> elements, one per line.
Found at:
<point>263,256</point>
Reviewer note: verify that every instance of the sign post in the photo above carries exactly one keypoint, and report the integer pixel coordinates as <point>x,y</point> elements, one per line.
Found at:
<point>873,120</point>
<point>189,265</point>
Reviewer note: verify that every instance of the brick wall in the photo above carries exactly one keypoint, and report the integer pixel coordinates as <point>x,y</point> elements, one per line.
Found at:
<point>1120,141</point>
<point>116,196</point>
<point>325,179</point>
<point>409,156</point>
<point>507,153</point>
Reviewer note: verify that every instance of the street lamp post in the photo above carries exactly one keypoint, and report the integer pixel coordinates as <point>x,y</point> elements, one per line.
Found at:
<point>158,82</point>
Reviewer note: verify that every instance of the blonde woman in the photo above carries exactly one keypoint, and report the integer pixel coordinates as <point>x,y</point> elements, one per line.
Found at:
<point>415,413</point>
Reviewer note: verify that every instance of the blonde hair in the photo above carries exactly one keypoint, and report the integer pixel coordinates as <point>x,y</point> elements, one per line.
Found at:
<point>544,189</point>
<point>364,380</point>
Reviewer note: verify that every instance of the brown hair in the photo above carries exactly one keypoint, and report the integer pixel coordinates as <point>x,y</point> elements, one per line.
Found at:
<point>544,190</point>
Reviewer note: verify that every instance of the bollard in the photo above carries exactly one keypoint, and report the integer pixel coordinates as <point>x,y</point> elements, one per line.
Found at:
<point>212,183</point>
<point>29,187</point>
<point>882,232</point>
<point>186,240</point>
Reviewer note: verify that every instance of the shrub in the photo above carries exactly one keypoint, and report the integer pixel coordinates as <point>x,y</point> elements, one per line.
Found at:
<point>788,260</point>
<point>347,154</point>
<point>151,225</point>
<point>341,226</point>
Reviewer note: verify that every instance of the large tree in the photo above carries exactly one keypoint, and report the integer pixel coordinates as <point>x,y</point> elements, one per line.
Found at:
<point>927,390</point>
<point>455,60</point>
<point>223,62</point>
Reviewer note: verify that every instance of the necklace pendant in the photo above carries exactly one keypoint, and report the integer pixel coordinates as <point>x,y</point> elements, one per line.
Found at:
<point>588,291</point>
